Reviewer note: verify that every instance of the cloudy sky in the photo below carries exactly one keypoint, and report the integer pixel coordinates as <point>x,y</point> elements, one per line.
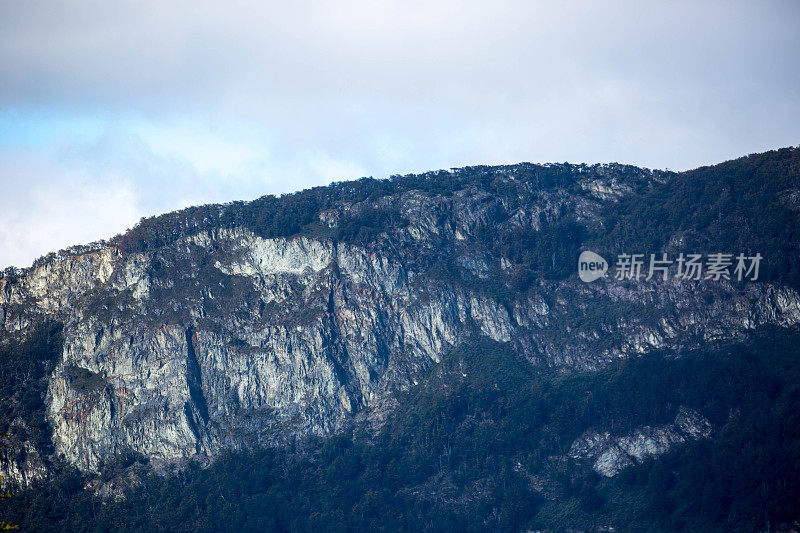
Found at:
<point>110,111</point>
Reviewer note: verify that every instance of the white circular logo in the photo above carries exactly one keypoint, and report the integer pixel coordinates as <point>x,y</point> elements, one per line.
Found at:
<point>591,266</point>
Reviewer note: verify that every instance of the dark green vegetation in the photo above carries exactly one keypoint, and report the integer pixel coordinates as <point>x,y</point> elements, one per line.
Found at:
<point>84,380</point>
<point>291,214</point>
<point>746,205</point>
<point>24,368</point>
<point>460,453</point>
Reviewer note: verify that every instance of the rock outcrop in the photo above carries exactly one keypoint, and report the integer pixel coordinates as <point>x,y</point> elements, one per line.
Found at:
<point>610,455</point>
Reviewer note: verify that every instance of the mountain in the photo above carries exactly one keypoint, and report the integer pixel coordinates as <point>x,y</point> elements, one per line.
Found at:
<point>418,353</point>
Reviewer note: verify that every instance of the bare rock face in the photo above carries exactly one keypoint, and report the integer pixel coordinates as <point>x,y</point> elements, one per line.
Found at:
<point>610,455</point>
<point>276,337</point>
<point>224,339</point>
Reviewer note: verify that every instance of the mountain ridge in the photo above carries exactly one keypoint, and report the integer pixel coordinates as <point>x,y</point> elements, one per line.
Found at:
<point>224,328</point>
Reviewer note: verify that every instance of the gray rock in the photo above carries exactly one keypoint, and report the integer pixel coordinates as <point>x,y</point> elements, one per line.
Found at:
<point>610,455</point>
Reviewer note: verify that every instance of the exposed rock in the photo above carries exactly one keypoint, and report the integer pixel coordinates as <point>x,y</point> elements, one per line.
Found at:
<point>611,454</point>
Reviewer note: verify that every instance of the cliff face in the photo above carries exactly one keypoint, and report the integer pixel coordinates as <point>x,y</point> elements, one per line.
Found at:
<point>223,338</point>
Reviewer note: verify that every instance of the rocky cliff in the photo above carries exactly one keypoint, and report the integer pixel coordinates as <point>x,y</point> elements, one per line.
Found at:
<point>223,334</point>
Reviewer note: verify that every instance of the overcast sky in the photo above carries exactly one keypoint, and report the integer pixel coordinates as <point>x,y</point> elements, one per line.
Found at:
<point>110,111</point>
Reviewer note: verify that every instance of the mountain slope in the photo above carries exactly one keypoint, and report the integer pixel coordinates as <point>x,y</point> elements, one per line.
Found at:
<point>234,327</point>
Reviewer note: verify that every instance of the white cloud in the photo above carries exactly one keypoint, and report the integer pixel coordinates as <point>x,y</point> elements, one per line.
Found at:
<point>186,102</point>
<point>46,208</point>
